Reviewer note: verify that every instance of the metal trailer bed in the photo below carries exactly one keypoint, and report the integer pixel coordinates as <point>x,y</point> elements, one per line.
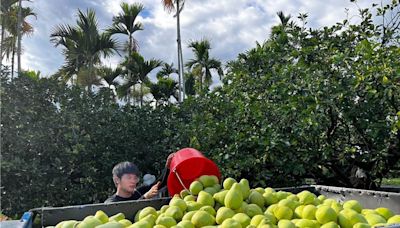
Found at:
<point>50,216</point>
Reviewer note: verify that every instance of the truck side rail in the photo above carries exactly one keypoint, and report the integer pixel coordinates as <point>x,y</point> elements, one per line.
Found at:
<point>50,216</point>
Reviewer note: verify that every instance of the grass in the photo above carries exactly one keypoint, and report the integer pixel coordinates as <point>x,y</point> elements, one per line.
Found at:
<point>391,181</point>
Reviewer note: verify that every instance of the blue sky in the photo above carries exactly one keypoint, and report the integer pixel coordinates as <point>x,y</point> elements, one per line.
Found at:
<point>232,26</point>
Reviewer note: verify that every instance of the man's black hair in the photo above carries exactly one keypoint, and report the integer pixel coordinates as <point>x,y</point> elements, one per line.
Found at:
<point>125,168</point>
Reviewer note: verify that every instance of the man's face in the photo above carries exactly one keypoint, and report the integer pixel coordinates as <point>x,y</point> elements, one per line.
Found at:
<point>128,182</point>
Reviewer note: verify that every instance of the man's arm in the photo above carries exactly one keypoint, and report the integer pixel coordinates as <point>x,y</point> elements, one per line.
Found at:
<point>165,172</point>
<point>152,191</point>
<point>142,190</point>
<point>148,192</point>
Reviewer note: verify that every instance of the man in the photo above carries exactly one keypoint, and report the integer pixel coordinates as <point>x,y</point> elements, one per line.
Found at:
<point>126,177</point>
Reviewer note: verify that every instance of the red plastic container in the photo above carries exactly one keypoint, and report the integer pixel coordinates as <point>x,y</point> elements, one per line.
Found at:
<point>187,165</point>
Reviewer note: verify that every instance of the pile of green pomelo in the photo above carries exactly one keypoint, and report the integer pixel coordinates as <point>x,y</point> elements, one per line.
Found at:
<point>235,205</point>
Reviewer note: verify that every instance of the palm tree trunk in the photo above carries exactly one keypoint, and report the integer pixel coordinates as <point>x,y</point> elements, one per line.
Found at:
<point>141,94</point>
<point>12,62</point>
<point>76,73</point>
<point>129,96</point>
<point>178,40</point>
<point>90,74</point>
<point>133,94</point>
<point>19,28</point>
<point>130,45</point>
<point>129,55</point>
<point>201,82</point>
<point>178,43</point>
<point>182,68</point>
<point>1,41</point>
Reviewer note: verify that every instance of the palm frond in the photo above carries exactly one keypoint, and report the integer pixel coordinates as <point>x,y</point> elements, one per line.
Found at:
<point>283,18</point>
<point>191,63</point>
<point>123,91</point>
<point>124,23</point>
<point>107,45</point>
<point>166,70</point>
<point>117,29</point>
<point>109,74</point>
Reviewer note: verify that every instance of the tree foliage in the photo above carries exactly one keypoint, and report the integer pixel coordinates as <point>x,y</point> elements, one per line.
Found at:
<point>59,144</point>
<point>308,103</point>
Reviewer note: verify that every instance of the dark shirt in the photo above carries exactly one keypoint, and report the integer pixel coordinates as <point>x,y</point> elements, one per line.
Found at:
<point>137,194</point>
<point>140,191</point>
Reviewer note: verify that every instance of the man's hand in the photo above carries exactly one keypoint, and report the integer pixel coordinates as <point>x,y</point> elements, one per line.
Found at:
<point>152,192</point>
<point>169,159</point>
<point>3,217</point>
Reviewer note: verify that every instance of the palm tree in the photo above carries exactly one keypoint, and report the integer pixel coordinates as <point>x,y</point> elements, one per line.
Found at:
<point>169,5</point>
<point>165,86</point>
<point>124,23</point>
<point>167,70</point>
<point>278,32</point>
<point>11,32</point>
<point>140,69</point>
<point>19,34</point>
<point>163,89</point>
<point>83,46</point>
<point>109,75</point>
<point>203,63</point>
<point>6,22</point>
